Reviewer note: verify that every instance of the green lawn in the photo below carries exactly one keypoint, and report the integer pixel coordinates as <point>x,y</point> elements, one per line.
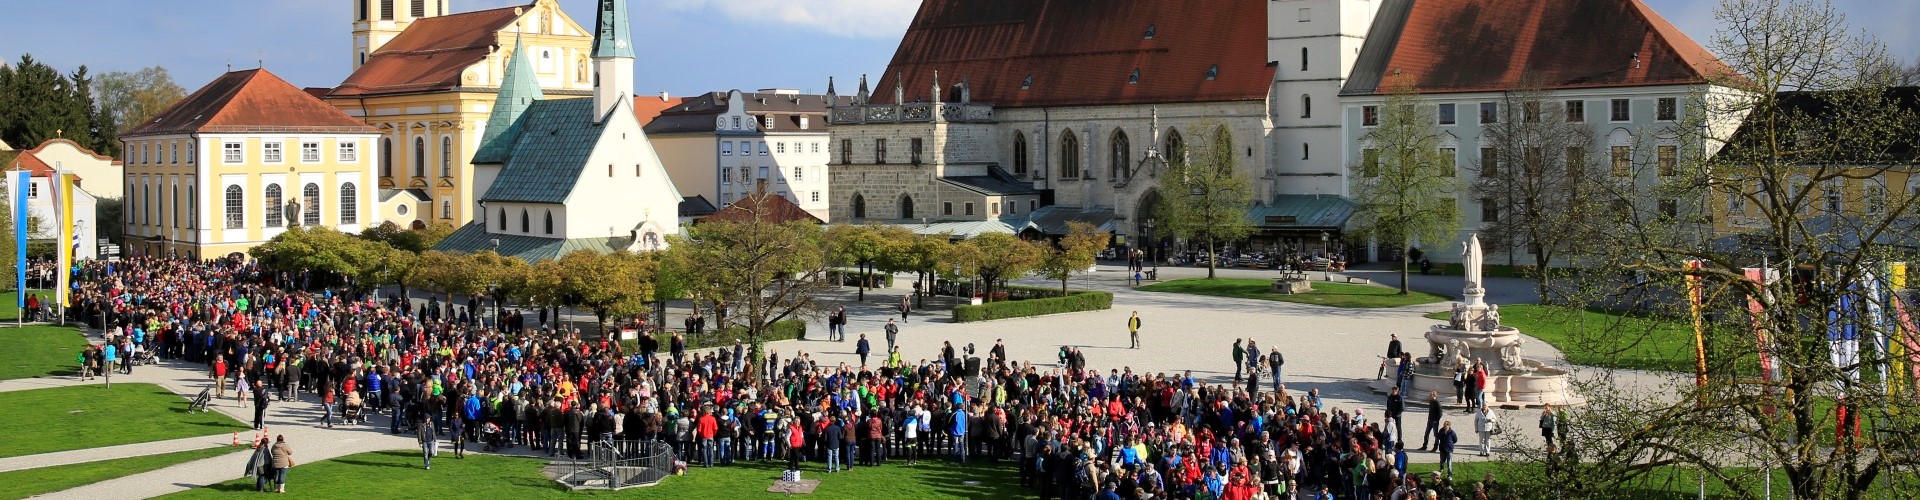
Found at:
<point>1662,483</point>
<point>399,475</point>
<point>1603,339</point>
<point>1324,293</point>
<point>91,416</point>
<point>10,305</point>
<point>39,351</point>
<point>30,482</point>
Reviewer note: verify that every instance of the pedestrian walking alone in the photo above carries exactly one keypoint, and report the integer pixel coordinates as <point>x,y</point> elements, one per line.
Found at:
<point>861,348</point>
<point>1133,329</point>
<point>1486,424</point>
<point>893,333</point>
<point>429,438</point>
<point>906,306</point>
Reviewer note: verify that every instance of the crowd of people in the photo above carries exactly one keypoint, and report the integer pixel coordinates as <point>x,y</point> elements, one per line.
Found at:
<point>1070,429</point>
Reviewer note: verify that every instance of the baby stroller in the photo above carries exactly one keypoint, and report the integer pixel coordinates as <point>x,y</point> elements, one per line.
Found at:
<point>355,412</point>
<point>143,357</point>
<point>491,436</point>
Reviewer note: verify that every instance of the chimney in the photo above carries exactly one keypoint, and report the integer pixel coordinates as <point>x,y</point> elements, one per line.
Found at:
<point>664,97</point>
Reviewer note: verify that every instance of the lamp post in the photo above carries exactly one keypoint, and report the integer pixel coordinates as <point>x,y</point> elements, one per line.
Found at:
<point>1326,273</point>
<point>1153,247</point>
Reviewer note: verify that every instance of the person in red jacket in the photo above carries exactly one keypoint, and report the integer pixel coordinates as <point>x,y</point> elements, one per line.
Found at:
<point>796,440</point>
<point>705,430</point>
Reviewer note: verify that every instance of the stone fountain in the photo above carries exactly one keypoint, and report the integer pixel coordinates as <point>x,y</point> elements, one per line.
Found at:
<point>1473,333</point>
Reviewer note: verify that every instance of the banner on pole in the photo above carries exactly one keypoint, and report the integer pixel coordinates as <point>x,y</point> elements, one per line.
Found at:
<point>20,184</point>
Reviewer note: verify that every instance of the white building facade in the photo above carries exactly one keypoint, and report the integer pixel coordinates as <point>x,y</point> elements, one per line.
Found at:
<point>727,145</point>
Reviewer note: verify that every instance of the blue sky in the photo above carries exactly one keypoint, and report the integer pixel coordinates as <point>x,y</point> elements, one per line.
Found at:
<point>685,46</point>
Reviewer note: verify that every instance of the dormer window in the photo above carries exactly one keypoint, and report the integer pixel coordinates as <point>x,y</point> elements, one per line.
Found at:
<point>1151,29</point>
<point>1213,72</point>
<point>769,122</point>
<point>1027,83</point>
<point>1134,78</point>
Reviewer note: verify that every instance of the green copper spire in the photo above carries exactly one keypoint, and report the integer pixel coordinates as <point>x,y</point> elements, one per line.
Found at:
<point>518,90</point>
<point>611,34</point>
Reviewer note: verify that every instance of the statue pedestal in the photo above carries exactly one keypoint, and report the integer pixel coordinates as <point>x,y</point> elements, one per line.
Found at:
<point>1474,334</point>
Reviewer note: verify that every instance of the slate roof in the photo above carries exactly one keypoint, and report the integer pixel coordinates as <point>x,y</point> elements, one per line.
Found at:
<point>429,55</point>
<point>251,100</point>
<point>544,152</point>
<point>696,113</point>
<point>695,206</point>
<point>766,207</point>
<point>518,89</point>
<point>1080,52</point>
<point>416,194</point>
<point>1053,219</point>
<point>1302,211</point>
<point>997,182</point>
<point>1494,45</point>
<point>474,237</point>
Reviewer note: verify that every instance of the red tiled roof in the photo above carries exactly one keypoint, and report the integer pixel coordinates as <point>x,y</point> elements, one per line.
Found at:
<point>27,161</point>
<point>646,108</point>
<point>766,206</point>
<point>430,54</point>
<point>317,92</point>
<point>69,142</point>
<point>1083,52</point>
<point>251,100</point>
<point>1493,45</point>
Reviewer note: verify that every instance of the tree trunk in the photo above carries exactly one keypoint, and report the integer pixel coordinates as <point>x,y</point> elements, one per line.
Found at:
<point>861,283</point>
<point>1406,260</point>
<point>1542,281</point>
<point>1213,258</point>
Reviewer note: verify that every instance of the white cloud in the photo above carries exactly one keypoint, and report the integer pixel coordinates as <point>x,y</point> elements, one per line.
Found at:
<point>844,18</point>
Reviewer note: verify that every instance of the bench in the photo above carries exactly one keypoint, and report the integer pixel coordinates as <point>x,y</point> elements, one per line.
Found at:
<point>1359,279</point>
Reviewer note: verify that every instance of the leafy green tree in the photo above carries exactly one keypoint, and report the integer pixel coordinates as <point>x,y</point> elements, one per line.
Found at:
<point>921,254</point>
<point>768,271</point>
<point>318,249</point>
<point>128,98</point>
<point>611,285</point>
<point>997,257</point>
<point>109,212</point>
<point>412,240</point>
<point>1403,183</point>
<point>1074,253</point>
<point>1206,197</point>
<point>861,245</point>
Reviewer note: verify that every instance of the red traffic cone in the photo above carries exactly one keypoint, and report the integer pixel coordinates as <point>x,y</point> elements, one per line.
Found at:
<point>236,439</point>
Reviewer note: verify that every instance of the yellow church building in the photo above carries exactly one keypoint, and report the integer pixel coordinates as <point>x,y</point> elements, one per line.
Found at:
<point>426,79</point>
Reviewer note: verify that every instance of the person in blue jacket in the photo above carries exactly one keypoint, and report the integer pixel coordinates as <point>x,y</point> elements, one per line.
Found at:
<point>960,432</point>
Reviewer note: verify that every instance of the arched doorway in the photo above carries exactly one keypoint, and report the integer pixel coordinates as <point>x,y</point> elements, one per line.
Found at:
<point>1152,236</point>
<point>906,207</point>
<point>859,206</point>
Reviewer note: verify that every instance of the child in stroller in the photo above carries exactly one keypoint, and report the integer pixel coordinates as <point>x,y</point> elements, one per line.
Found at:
<point>354,413</point>
<point>492,437</point>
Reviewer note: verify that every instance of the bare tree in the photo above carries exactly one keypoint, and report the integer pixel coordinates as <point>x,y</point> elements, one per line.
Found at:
<point>1783,167</point>
<point>1539,174</point>
<point>1405,185</point>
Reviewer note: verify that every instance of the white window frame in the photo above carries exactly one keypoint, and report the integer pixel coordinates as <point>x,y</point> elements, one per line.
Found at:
<point>192,151</point>
<point>233,152</point>
<point>309,154</point>
<point>799,174</point>
<point>1441,111</point>
<point>273,152</point>
<point>347,151</point>
<point>780,148</point>
<point>726,148</point>
<point>726,176</point>
<point>815,197</point>
<point>1615,117</point>
<point>763,148</point>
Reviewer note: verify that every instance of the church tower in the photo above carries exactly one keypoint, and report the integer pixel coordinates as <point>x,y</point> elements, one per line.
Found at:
<point>612,58</point>
<point>375,22</point>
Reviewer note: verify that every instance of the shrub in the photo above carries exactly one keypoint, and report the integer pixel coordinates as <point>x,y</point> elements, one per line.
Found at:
<point>851,277</point>
<point>1073,302</point>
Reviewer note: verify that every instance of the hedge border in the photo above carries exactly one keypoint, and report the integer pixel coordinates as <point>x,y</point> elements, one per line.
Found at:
<point>1077,301</point>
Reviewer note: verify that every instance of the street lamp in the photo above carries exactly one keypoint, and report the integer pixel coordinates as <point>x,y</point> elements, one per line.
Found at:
<point>1153,247</point>
<point>1326,273</point>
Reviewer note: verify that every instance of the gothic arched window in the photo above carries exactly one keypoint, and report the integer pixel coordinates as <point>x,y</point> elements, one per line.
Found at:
<point>906,207</point>
<point>1176,147</point>
<point>859,206</point>
<point>549,222</point>
<point>1069,155</point>
<point>1122,155</point>
<point>503,219</point>
<point>1019,153</point>
<point>526,226</point>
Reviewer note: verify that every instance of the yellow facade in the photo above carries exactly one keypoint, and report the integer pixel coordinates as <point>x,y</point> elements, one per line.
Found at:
<point>213,198</point>
<point>1863,192</point>
<point>433,135</point>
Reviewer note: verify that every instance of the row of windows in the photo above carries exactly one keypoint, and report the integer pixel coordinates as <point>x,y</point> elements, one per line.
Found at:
<point>234,153</point>
<point>445,159</point>
<point>1573,111</point>
<point>163,152</point>
<point>812,197</point>
<point>1120,160</point>
<point>746,148</point>
<point>858,203</point>
<point>799,175</point>
<point>1620,161</point>
<point>148,203</point>
<point>526,225</point>
<point>273,203</point>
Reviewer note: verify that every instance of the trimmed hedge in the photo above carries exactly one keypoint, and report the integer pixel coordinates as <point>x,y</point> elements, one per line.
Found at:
<point>851,277</point>
<point>1072,302</point>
